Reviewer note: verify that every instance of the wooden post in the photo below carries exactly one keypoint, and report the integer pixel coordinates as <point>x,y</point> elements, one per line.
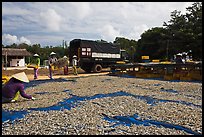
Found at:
<point>6,61</point>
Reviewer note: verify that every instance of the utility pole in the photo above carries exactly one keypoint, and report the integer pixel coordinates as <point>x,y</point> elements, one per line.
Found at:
<point>63,43</point>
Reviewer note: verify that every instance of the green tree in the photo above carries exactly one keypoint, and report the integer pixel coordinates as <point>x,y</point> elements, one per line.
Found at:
<point>14,45</point>
<point>187,30</point>
<point>180,34</point>
<point>128,45</point>
<point>153,43</point>
<point>23,46</point>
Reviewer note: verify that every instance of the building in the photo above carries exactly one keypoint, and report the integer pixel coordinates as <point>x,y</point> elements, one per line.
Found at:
<point>14,57</point>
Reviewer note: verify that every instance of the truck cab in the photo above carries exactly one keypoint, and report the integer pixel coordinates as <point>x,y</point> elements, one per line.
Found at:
<point>124,55</point>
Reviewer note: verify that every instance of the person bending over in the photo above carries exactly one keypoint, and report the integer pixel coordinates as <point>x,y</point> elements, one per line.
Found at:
<point>14,87</point>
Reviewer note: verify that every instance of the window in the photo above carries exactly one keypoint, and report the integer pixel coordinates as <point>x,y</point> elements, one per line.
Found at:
<point>83,53</point>
<point>89,49</point>
<point>86,52</point>
<point>83,49</point>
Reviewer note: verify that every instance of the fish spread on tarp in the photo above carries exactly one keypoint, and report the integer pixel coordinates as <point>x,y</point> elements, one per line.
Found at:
<point>135,119</point>
<point>74,100</point>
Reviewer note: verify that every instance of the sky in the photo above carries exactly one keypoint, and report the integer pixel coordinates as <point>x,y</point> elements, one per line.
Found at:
<point>49,23</point>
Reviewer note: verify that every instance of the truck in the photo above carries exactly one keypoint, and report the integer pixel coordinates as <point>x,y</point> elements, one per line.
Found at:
<point>93,56</point>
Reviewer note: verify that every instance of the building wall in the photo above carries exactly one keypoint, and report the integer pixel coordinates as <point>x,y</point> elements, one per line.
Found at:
<point>17,62</point>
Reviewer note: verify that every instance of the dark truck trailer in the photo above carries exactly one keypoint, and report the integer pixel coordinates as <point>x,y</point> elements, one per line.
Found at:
<point>93,55</point>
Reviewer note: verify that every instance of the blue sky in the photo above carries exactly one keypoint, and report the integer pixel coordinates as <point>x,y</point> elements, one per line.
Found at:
<point>49,23</point>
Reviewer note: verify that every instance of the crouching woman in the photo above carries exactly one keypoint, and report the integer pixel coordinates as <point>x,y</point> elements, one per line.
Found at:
<point>14,87</point>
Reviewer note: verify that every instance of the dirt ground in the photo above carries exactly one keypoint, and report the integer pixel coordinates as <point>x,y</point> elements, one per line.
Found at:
<point>44,72</point>
<point>41,71</point>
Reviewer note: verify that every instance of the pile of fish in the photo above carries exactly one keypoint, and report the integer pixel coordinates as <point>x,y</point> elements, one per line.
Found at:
<point>106,105</point>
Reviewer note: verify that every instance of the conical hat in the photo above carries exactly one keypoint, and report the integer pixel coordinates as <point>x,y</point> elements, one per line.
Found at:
<point>21,76</point>
<point>52,53</point>
<point>179,54</point>
<point>36,55</point>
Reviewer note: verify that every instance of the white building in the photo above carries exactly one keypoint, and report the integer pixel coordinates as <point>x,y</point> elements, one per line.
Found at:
<point>12,57</point>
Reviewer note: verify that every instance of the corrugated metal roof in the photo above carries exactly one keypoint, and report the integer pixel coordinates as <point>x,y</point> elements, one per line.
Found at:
<point>15,52</point>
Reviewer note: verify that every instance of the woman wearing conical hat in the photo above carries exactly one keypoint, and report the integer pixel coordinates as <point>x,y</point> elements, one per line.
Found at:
<point>14,86</point>
<point>66,66</point>
<point>74,64</point>
<point>36,61</point>
<point>52,58</point>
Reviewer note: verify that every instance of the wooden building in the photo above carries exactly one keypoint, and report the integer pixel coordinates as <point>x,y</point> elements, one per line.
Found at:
<point>12,57</point>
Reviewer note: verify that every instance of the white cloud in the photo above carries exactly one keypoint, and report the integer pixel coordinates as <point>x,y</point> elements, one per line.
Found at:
<point>8,39</point>
<point>109,33</point>
<point>137,31</point>
<point>51,19</point>
<point>85,19</point>
<point>24,40</point>
<point>82,9</point>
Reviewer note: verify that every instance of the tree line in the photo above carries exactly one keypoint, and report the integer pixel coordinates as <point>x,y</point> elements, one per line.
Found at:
<point>183,32</point>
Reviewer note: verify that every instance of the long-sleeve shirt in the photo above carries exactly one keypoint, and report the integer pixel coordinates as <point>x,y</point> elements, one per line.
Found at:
<point>12,87</point>
<point>36,61</point>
